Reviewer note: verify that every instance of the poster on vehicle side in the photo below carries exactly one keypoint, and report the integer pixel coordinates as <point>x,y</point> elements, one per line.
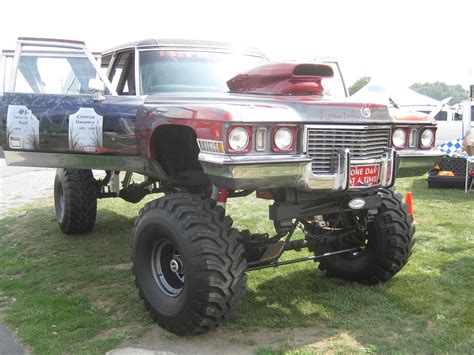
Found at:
<point>85,130</point>
<point>22,128</point>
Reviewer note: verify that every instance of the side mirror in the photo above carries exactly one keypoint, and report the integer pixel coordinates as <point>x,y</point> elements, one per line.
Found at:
<point>98,87</point>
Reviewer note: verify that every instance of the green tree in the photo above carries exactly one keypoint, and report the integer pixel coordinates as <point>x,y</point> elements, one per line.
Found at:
<point>439,91</point>
<point>359,84</point>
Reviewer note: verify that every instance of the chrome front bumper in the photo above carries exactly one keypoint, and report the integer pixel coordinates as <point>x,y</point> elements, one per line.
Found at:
<point>278,171</point>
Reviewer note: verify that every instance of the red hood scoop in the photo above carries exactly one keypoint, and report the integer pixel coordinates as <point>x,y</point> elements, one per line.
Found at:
<point>282,79</point>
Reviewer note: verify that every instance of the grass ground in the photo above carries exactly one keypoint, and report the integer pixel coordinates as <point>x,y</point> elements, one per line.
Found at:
<point>76,293</point>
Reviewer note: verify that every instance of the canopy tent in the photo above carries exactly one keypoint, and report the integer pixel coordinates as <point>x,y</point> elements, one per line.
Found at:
<point>403,96</point>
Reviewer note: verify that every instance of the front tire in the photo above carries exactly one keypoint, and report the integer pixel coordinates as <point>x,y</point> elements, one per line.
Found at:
<point>388,246</point>
<point>75,200</point>
<point>188,263</point>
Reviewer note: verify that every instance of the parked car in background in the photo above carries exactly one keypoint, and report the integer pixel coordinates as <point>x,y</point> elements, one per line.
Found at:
<point>450,123</point>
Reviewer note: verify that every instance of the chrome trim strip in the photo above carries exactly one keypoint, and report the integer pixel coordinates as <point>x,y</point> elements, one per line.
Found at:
<point>50,54</point>
<point>13,70</point>
<point>252,159</point>
<point>136,72</point>
<point>419,153</point>
<point>388,167</point>
<point>153,47</point>
<point>79,161</point>
<point>304,141</point>
<point>333,126</point>
<point>264,130</point>
<point>3,69</point>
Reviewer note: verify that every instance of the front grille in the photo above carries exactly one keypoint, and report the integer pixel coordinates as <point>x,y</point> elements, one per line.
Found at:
<point>364,144</point>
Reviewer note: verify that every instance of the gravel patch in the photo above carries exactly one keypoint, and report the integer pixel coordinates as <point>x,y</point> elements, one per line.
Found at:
<point>20,185</point>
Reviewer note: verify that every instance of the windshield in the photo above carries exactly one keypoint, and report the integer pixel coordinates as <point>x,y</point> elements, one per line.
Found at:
<point>191,71</point>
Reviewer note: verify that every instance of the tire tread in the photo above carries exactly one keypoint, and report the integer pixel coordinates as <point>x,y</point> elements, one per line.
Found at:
<point>217,251</point>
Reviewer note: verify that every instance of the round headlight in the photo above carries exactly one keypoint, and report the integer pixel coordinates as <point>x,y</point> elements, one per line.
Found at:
<point>283,139</point>
<point>427,138</point>
<point>238,139</point>
<point>399,138</point>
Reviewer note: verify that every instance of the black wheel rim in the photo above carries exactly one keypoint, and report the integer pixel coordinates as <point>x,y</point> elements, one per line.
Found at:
<point>358,252</point>
<point>168,268</point>
<point>368,244</point>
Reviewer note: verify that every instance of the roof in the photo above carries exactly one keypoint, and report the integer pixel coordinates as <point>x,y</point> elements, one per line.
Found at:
<point>180,43</point>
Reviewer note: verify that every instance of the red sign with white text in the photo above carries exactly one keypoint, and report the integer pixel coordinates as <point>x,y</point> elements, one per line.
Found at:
<point>364,175</point>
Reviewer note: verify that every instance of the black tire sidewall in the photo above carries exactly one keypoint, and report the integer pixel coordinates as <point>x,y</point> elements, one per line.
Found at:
<point>79,196</point>
<point>152,228</point>
<point>390,242</point>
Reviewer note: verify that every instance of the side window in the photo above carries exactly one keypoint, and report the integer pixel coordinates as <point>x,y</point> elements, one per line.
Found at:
<point>45,74</point>
<point>122,74</point>
<point>441,116</point>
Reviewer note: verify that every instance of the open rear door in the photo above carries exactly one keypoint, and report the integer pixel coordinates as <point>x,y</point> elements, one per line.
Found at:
<point>49,115</point>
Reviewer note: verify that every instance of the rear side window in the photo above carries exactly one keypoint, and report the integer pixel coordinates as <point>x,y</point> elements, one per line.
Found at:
<point>441,116</point>
<point>54,75</point>
<point>122,74</point>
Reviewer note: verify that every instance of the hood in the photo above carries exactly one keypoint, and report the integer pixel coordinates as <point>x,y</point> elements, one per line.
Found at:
<point>411,117</point>
<point>267,108</point>
<point>282,79</point>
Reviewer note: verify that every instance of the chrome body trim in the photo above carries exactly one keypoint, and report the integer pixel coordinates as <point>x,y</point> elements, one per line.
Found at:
<point>136,71</point>
<point>273,171</point>
<point>419,153</point>
<point>3,69</point>
<point>252,159</point>
<point>82,161</point>
<point>180,44</point>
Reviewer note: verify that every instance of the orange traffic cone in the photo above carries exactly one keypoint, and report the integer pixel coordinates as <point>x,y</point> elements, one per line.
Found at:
<point>409,202</point>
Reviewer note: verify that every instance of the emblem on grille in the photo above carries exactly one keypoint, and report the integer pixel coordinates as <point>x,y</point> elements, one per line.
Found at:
<point>365,111</point>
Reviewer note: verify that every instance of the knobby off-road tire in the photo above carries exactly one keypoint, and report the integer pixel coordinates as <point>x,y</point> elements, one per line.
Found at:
<point>188,263</point>
<point>388,246</point>
<point>75,200</point>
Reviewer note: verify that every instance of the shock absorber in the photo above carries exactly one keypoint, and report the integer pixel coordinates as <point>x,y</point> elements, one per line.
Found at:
<point>220,195</point>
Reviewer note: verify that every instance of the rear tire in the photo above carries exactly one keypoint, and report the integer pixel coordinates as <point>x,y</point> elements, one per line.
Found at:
<point>75,200</point>
<point>188,263</point>
<point>388,246</point>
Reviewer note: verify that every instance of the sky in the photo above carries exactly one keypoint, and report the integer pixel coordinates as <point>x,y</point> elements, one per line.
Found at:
<point>394,42</point>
